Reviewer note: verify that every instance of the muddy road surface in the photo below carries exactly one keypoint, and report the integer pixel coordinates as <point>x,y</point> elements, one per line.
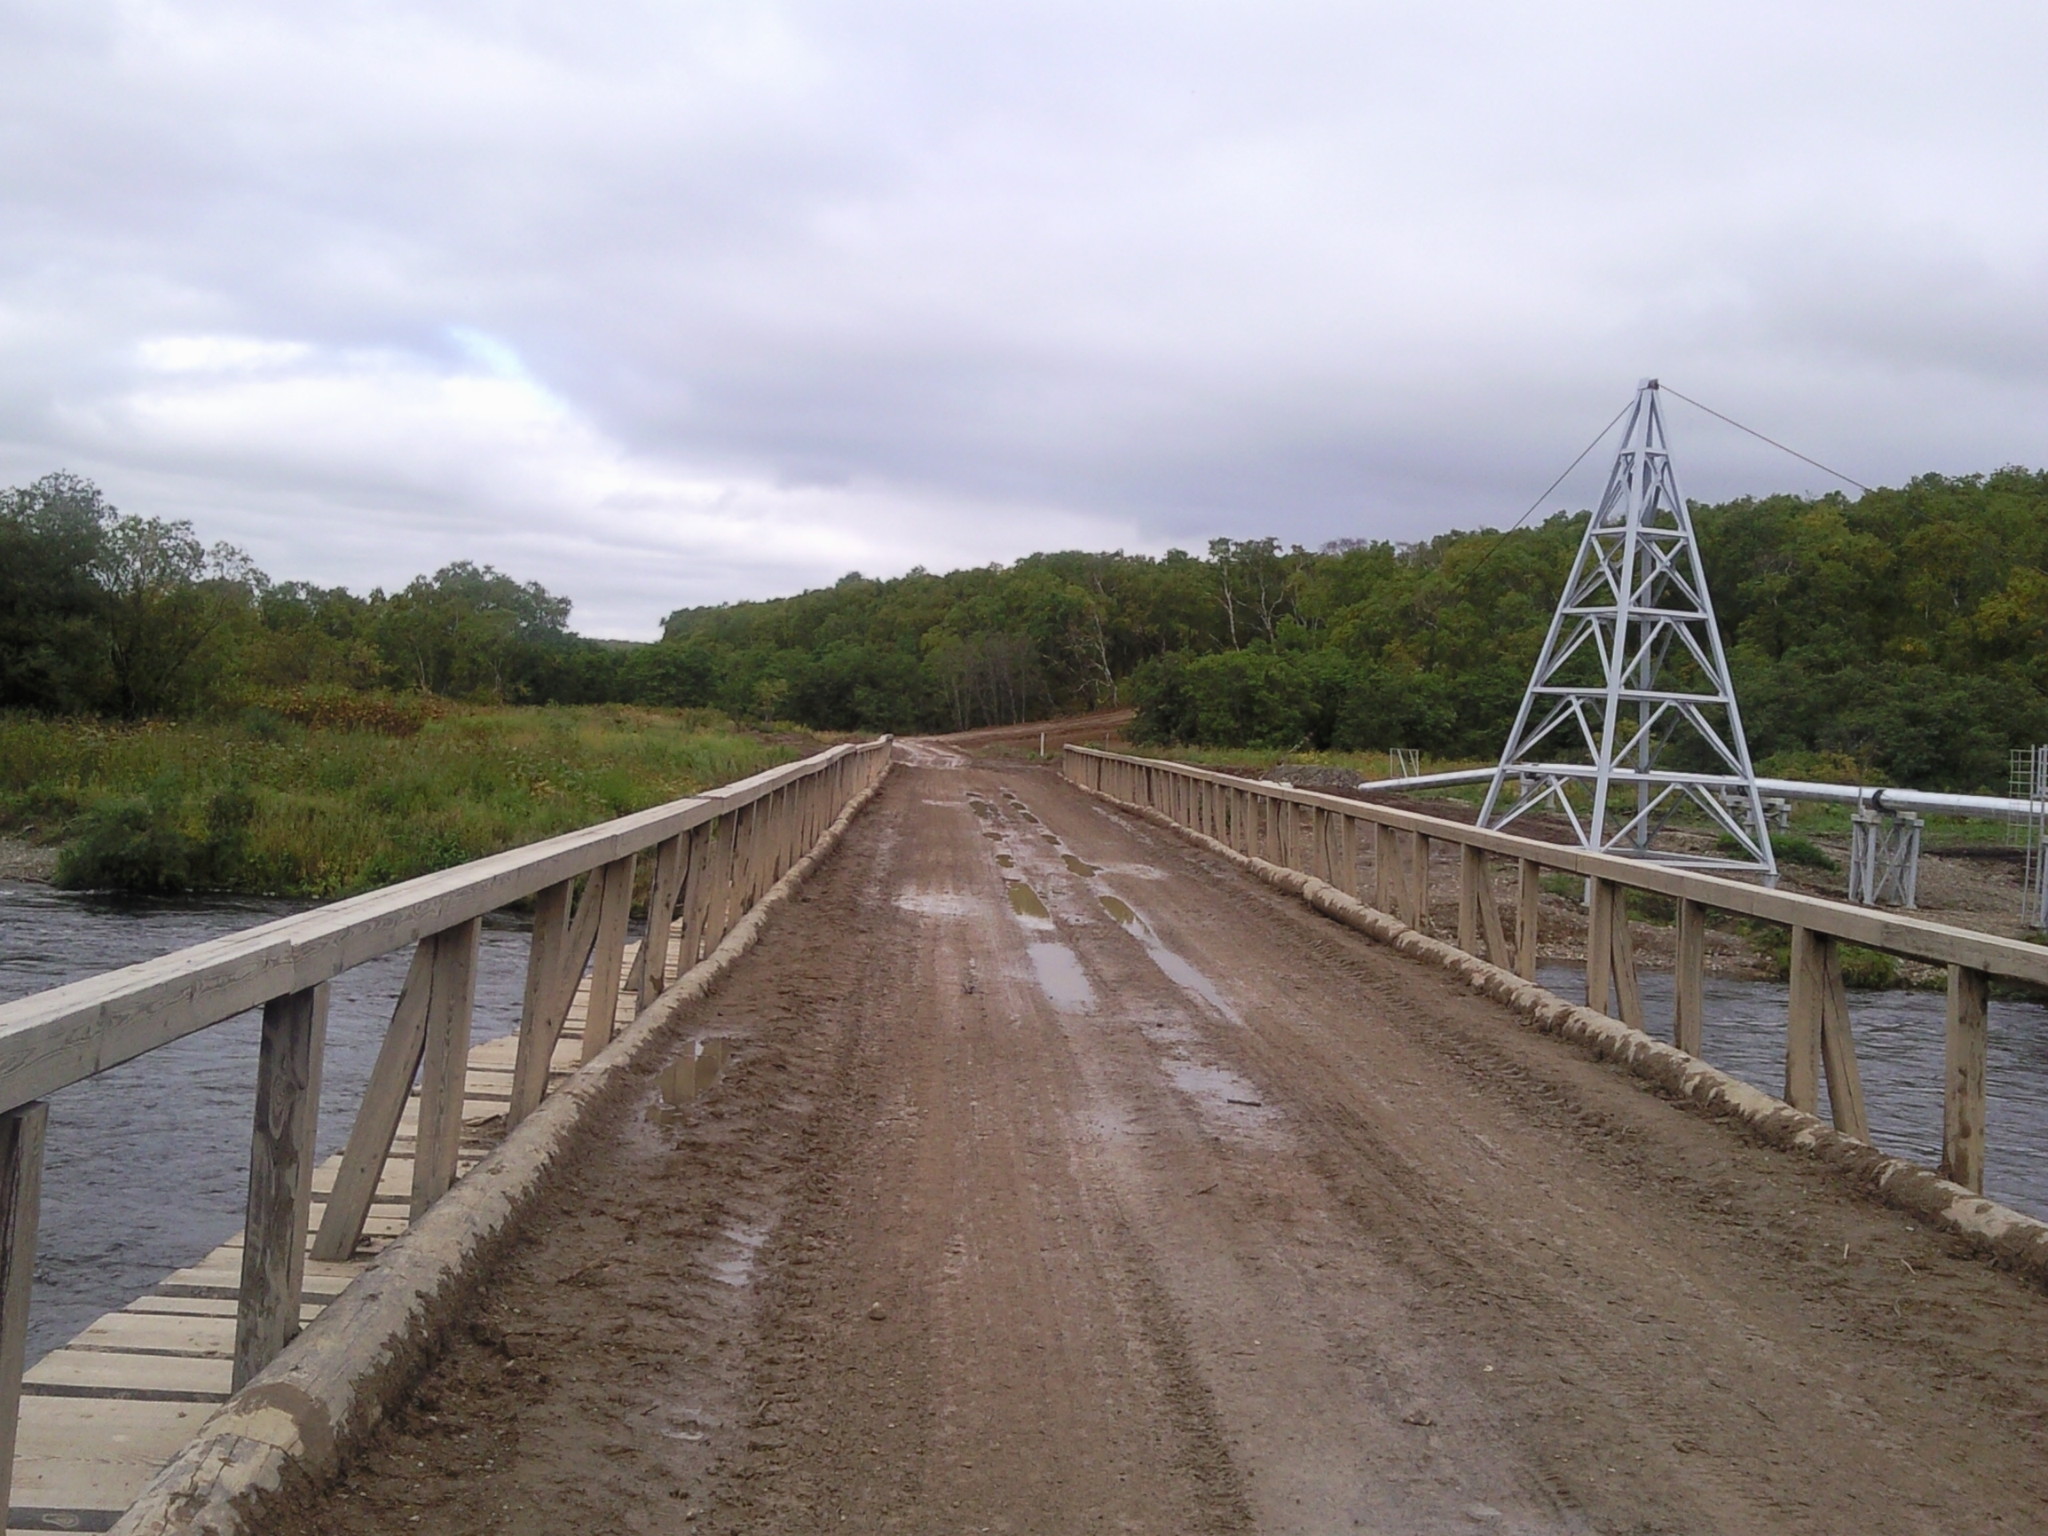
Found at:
<point>1063,1179</point>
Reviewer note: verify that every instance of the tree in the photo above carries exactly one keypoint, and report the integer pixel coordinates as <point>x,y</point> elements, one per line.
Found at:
<point>165,595</point>
<point>470,631</point>
<point>52,536</point>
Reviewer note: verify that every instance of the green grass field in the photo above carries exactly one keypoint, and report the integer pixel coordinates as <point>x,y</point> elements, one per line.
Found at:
<point>264,805</point>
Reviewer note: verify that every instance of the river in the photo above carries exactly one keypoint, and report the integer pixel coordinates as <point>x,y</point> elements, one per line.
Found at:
<point>146,1167</point>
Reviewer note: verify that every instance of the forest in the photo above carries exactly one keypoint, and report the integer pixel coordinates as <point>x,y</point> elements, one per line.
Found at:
<point>1904,632</point>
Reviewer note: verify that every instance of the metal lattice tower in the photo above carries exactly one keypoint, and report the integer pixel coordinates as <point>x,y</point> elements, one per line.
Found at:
<point>1630,717</point>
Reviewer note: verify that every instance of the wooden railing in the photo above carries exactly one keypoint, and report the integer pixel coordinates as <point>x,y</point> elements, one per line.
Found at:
<point>713,856</point>
<point>1335,838</point>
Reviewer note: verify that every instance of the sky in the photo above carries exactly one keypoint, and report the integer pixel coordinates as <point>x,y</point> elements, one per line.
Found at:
<point>675,303</point>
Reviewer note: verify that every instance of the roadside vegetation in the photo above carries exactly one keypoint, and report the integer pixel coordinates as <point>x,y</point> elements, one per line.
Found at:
<point>263,802</point>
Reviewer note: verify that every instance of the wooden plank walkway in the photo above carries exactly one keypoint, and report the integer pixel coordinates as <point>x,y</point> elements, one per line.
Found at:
<point>101,1414</point>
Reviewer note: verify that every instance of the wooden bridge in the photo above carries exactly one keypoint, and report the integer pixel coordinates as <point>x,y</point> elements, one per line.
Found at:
<point>1131,1147</point>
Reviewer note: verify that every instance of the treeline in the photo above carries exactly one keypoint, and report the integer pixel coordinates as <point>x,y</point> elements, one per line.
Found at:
<point>1906,630</point>
<point>135,617</point>
<point>1903,634</point>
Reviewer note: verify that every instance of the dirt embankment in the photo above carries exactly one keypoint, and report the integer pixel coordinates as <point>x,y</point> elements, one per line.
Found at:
<point>1064,1180</point>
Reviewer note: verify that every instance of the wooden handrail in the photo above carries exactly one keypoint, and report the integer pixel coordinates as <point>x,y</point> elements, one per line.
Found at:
<point>55,1038</point>
<point>1247,815</point>
<point>1915,937</point>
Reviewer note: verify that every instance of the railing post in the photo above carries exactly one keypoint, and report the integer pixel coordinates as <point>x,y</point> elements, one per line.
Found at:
<point>1802,1023</point>
<point>615,906</point>
<point>1688,977</point>
<point>1471,876</point>
<point>1628,988</point>
<point>21,1185</point>
<point>444,1064</point>
<point>1386,871</point>
<point>1962,1105</point>
<point>650,971</point>
<point>546,949</point>
<point>1528,917</point>
<point>1838,1048</point>
<point>280,1178</point>
<point>1818,1033</point>
<point>1419,877</point>
<point>1600,945</point>
<point>695,904</point>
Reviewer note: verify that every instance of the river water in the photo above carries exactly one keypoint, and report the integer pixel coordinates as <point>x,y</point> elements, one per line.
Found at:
<point>1899,1042</point>
<point>146,1168</point>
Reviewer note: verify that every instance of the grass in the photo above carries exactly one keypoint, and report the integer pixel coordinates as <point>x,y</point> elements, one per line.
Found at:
<point>262,804</point>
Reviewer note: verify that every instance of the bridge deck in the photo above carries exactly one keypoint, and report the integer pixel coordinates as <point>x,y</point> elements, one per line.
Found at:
<point>102,1413</point>
<point>1064,1179</point>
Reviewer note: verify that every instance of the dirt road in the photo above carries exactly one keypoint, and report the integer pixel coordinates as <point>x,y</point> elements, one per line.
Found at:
<point>1065,1180</point>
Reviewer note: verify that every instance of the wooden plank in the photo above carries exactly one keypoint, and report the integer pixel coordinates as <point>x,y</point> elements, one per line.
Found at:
<point>1802,1029</point>
<point>1962,1100</point>
<point>21,1183</point>
<point>1528,917</point>
<point>615,907</point>
<point>159,1333</point>
<point>98,1373</point>
<point>1838,1047</point>
<point>1689,978</point>
<point>369,1141</point>
<point>451,994</point>
<point>96,1453</point>
<point>281,1159</point>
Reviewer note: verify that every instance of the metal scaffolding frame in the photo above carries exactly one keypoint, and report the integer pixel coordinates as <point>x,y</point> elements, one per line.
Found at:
<point>1632,677</point>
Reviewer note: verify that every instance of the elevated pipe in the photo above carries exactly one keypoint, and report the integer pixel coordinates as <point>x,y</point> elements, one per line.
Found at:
<point>1920,801</point>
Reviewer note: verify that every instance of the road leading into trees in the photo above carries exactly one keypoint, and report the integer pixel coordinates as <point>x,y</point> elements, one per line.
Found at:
<point>1062,1179</point>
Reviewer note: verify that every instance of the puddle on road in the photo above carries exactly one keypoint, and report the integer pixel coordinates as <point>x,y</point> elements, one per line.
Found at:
<point>1060,977</point>
<point>738,1270</point>
<point>1179,971</point>
<point>1025,903</point>
<point>1220,1091</point>
<point>1024,815</point>
<point>1188,979</point>
<point>1079,866</point>
<point>687,1078</point>
<point>1048,837</point>
<point>938,904</point>
<point>1006,861</point>
<point>994,837</point>
<point>981,808</point>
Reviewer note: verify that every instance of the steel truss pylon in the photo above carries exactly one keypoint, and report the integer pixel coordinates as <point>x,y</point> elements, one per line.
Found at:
<point>1630,718</point>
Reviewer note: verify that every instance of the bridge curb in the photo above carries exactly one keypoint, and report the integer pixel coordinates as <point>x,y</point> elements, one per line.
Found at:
<point>290,1430</point>
<point>2017,1241</point>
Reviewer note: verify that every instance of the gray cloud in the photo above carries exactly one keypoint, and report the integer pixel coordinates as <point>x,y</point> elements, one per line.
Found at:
<point>676,304</point>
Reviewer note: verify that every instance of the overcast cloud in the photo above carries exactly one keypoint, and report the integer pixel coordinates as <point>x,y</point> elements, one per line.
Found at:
<point>674,303</point>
